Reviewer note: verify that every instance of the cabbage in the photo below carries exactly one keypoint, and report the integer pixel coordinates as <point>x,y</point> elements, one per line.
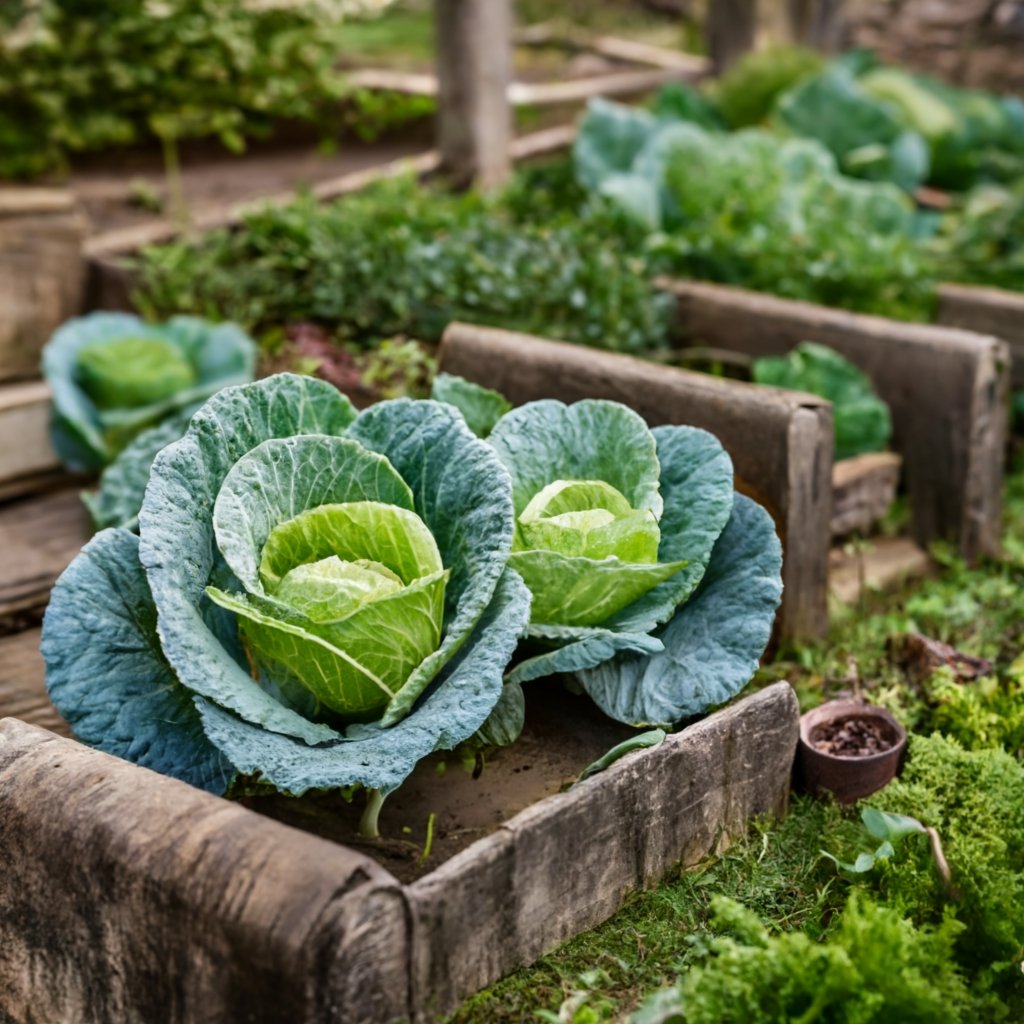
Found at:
<point>654,585</point>
<point>113,376</point>
<point>317,599</point>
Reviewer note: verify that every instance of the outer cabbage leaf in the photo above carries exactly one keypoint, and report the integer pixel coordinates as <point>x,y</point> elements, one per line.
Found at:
<point>178,547</point>
<point>463,494</point>
<point>610,138</point>
<point>453,709</point>
<point>697,484</point>
<point>87,437</point>
<point>542,442</point>
<point>481,407</point>
<point>132,706</point>
<point>123,482</point>
<point>713,645</point>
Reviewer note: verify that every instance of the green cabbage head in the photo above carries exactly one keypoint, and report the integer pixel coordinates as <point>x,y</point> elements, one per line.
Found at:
<point>316,599</point>
<point>653,583</point>
<point>114,376</point>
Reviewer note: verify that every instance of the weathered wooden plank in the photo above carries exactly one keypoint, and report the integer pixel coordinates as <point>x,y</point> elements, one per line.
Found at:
<point>42,275</point>
<point>948,391</point>
<point>863,488</point>
<point>628,51</point>
<point>532,884</point>
<point>547,94</point>
<point>22,683</point>
<point>27,457</point>
<point>780,441</point>
<point>883,564</point>
<point>128,896</point>
<point>38,538</point>
<point>987,311</point>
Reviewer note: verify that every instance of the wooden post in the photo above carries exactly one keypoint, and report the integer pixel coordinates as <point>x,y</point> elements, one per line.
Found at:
<point>947,389</point>
<point>731,31</point>
<point>474,72</point>
<point>780,441</point>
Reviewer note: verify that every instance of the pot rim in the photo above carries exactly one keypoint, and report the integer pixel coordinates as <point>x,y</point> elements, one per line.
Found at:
<point>848,708</point>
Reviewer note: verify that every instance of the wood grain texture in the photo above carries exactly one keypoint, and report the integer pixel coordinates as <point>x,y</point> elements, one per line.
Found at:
<point>127,896</point>
<point>993,311</point>
<point>42,275</point>
<point>26,454</point>
<point>38,538</point>
<point>23,685</point>
<point>474,72</point>
<point>780,441</point>
<point>537,881</point>
<point>948,391</point>
<point>863,488</point>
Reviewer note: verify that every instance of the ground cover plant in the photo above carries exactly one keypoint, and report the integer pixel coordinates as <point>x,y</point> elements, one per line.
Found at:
<point>338,594</point>
<point>964,776</point>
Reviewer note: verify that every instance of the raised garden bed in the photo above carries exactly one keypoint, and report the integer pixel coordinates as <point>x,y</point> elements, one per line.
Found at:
<point>947,389</point>
<point>211,910</point>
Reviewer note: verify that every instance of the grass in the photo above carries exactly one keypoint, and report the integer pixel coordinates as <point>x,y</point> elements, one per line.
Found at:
<point>778,871</point>
<point>403,37</point>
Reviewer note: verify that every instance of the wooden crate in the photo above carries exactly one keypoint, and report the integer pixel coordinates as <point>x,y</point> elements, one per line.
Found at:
<point>948,390</point>
<point>993,311</point>
<point>130,896</point>
<point>780,441</point>
<point>42,273</point>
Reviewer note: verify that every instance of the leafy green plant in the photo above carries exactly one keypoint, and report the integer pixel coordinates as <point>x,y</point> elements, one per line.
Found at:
<point>405,260</point>
<point>746,94</point>
<point>862,420</point>
<point>875,967</point>
<point>652,581</point>
<point>983,240</point>
<point>330,588</point>
<point>88,75</point>
<point>866,136</point>
<point>114,376</point>
<point>753,210</point>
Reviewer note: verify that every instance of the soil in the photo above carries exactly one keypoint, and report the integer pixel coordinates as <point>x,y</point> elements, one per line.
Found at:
<point>853,737</point>
<point>118,190</point>
<point>563,734</point>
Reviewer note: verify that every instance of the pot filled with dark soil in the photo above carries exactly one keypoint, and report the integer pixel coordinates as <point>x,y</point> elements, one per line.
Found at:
<point>849,749</point>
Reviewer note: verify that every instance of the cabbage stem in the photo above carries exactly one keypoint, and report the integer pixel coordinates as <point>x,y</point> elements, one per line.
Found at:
<point>368,824</point>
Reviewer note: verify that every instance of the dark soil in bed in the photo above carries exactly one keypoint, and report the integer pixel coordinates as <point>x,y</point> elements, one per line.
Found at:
<point>563,734</point>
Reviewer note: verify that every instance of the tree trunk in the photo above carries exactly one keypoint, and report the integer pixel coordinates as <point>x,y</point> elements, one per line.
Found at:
<point>474,70</point>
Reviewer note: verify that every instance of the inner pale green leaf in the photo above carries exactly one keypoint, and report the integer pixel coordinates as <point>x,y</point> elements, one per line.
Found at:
<point>332,589</point>
<point>361,531</point>
<point>131,372</point>
<point>588,519</point>
<point>571,591</point>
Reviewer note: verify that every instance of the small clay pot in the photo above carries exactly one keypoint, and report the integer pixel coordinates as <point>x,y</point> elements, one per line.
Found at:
<point>848,778</point>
